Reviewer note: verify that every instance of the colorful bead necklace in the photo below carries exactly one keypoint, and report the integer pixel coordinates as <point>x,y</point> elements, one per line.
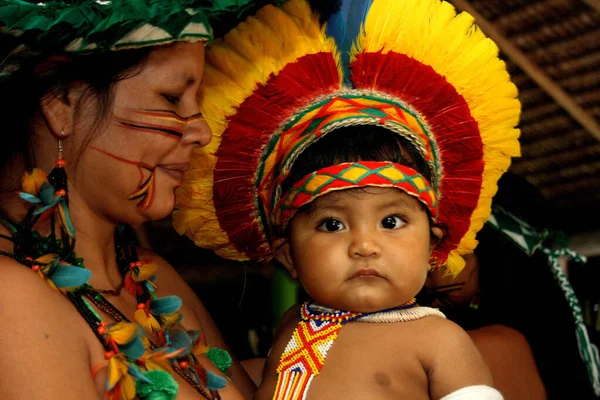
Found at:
<point>137,367</point>
<point>305,353</point>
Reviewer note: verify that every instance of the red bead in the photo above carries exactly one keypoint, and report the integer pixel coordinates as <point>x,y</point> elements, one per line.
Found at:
<point>141,306</point>
<point>60,162</point>
<point>35,268</point>
<point>61,192</point>
<point>108,354</point>
<point>138,263</point>
<point>132,264</point>
<point>183,364</point>
<point>101,329</point>
<point>29,258</point>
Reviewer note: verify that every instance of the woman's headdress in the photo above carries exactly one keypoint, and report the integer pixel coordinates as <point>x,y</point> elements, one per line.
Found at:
<point>280,81</point>
<point>31,27</point>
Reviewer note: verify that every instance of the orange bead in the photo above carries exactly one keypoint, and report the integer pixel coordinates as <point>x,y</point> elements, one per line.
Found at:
<point>141,306</point>
<point>61,192</point>
<point>183,364</point>
<point>108,354</point>
<point>138,264</point>
<point>35,268</point>
<point>132,264</point>
<point>101,329</point>
<point>60,162</point>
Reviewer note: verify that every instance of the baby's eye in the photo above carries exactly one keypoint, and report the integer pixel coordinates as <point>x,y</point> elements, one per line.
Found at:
<point>331,225</point>
<point>392,222</point>
<point>173,99</point>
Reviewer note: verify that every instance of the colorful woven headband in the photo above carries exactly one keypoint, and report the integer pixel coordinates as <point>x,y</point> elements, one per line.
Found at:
<point>280,81</point>
<point>353,175</point>
<point>86,26</point>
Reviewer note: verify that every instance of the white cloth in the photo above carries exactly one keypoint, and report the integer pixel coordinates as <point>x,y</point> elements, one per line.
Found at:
<point>479,392</point>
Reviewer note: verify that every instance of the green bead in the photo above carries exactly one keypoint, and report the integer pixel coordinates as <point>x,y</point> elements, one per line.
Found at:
<point>220,358</point>
<point>97,297</point>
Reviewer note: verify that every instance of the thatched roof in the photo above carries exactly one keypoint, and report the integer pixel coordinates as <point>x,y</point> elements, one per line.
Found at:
<point>552,48</point>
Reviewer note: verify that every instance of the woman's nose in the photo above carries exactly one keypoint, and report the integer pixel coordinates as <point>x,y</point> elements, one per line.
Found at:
<point>364,244</point>
<point>197,132</point>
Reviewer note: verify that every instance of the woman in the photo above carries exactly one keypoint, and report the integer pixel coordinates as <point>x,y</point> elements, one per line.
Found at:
<point>117,129</point>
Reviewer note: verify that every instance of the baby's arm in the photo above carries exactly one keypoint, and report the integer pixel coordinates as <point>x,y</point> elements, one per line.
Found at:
<point>282,336</point>
<point>451,360</point>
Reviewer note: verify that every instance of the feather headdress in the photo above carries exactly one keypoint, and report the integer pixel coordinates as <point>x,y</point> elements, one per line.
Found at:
<point>281,80</point>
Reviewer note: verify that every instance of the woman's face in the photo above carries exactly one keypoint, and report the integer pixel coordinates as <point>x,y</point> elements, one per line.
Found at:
<point>131,168</point>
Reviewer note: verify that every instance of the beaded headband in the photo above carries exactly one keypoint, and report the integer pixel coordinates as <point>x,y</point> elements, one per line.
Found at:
<point>353,175</point>
<point>280,81</point>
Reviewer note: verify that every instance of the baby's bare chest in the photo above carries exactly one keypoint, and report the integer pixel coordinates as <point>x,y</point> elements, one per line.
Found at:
<point>372,361</point>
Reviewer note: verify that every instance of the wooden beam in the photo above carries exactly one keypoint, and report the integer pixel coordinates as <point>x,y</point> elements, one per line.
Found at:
<point>536,73</point>
<point>595,4</point>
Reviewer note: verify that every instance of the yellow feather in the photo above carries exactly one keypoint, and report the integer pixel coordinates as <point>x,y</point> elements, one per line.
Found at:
<point>159,364</point>
<point>148,322</point>
<point>146,271</point>
<point>170,318</point>
<point>200,349</point>
<point>116,369</point>
<point>31,182</point>
<point>46,259</point>
<point>236,65</point>
<point>127,387</point>
<point>430,32</point>
<point>122,332</point>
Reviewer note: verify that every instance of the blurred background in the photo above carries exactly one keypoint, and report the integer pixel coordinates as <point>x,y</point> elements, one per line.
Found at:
<point>552,49</point>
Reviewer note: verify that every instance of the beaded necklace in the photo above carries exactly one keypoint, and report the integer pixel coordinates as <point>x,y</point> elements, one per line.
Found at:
<point>305,353</point>
<point>137,367</point>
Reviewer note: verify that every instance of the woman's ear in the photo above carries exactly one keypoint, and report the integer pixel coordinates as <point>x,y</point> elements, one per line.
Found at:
<point>437,236</point>
<point>57,110</point>
<point>283,253</point>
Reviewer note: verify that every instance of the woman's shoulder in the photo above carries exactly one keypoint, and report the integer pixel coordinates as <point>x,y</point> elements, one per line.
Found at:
<point>499,337</point>
<point>41,329</point>
<point>509,356</point>
<point>26,299</point>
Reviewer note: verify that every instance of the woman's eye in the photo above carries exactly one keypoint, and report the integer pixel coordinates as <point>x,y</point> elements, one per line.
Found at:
<point>331,225</point>
<point>175,100</point>
<point>392,222</point>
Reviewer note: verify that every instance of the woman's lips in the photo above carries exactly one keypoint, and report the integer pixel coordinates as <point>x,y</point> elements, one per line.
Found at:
<point>176,171</point>
<point>366,272</point>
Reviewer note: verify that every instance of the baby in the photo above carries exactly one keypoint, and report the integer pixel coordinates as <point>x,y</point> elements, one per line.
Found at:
<point>360,153</point>
<point>361,250</point>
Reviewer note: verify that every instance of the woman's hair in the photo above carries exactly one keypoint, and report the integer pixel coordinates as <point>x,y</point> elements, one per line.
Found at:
<point>356,143</point>
<point>40,76</point>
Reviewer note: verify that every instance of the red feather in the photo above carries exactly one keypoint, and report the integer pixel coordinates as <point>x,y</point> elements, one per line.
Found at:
<point>132,286</point>
<point>456,131</point>
<point>257,118</point>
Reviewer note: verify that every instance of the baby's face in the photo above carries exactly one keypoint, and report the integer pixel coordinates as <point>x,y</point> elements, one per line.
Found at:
<point>362,249</point>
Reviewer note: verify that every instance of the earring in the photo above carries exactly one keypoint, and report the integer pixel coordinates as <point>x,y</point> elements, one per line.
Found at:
<point>58,179</point>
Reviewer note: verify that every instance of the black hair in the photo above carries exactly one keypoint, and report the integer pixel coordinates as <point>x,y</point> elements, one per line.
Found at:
<point>356,143</point>
<point>40,76</point>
